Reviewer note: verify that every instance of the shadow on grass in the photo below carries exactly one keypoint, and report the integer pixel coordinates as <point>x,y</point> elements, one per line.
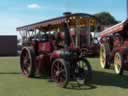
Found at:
<point>84,87</point>
<point>104,79</point>
<point>10,73</point>
<point>99,78</point>
<point>41,77</point>
<point>109,79</point>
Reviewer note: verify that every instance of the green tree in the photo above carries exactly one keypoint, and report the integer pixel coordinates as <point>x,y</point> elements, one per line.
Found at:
<point>105,18</point>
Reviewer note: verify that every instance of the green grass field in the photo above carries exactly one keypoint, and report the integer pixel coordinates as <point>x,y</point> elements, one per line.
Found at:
<point>104,83</point>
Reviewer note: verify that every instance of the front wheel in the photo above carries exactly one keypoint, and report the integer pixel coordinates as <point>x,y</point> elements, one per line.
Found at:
<point>60,72</point>
<point>83,71</point>
<point>118,63</point>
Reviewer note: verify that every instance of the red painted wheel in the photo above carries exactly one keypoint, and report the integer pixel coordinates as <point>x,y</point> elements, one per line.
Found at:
<point>83,71</point>
<point>60,72</point>
<point>27,60</point>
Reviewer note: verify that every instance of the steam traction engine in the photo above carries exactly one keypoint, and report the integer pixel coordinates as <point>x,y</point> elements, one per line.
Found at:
<point>114,47</point>
<point>50,47</point>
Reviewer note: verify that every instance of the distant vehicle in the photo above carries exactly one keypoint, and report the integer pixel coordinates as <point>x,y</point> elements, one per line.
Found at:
<point>114,47</point>
<point>57,47</point>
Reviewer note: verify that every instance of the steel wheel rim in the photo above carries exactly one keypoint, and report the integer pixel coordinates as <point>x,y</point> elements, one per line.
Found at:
<point>59,73</point>
<point>117,63</point>
<point>102,56</point>
<point>26,63</point>
<point>83,70</point>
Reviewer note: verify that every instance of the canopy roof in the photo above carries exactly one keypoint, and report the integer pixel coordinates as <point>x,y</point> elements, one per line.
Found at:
<point>116,28</point>
<point>52,22</point>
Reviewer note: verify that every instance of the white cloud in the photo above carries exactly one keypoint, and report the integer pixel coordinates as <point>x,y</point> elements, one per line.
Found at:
<point>34,6</point>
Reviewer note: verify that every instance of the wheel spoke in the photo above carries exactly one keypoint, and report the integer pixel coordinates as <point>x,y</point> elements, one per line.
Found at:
<point>82,74</point>
<point>58,72</point>
<point>26,62</point>
<point>118,63</point>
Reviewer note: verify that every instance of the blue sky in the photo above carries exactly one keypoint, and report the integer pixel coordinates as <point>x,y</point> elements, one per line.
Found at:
<point>15,13</point>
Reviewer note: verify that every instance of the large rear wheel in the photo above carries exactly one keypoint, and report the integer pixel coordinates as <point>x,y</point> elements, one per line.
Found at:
<point>27,61</point>
<point>118,63</point>
<point>60,72</point>
<point>104,56</point>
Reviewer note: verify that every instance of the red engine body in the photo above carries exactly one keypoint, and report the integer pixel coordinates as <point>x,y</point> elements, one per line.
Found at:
<point>116,38</point>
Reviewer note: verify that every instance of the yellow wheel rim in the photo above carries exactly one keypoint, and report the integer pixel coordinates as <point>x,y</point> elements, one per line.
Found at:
<point>117,63</point>
<point>102,56</point>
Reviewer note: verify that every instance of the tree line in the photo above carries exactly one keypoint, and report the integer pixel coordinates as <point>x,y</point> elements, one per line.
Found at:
<point>106,19</point>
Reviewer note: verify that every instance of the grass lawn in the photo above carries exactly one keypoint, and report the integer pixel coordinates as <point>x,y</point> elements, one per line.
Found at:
<point>13,83</point>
